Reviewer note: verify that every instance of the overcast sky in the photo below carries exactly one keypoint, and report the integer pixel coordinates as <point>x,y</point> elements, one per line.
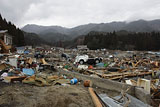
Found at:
<point>70,13</point>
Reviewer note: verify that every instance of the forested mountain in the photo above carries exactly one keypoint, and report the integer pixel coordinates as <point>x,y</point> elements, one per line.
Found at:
<point>58,35</point>
<point>135,26</point>
<point>32,28</point>
<point>52,38</point>
<point>33,39</point>
<point>21,38</point>
<point>123,40</point>
<point>18,36</point>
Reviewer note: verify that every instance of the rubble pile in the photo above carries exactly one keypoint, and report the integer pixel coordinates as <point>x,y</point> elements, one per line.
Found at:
<point>40,67</point>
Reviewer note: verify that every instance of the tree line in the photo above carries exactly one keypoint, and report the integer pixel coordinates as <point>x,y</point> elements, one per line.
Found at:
<point>123,40</point>
<point>16,33</point>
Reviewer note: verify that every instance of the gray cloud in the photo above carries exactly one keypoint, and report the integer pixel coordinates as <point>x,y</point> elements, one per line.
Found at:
<point>70,13</point>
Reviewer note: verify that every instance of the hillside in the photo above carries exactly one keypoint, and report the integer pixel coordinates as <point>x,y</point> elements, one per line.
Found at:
<point>54,37</point>
<point>21,38</point>
<point>32,28</point>
<point>17,34</point>
<point>123,40</point>
<point>33,39</point>
<point>135,26</point>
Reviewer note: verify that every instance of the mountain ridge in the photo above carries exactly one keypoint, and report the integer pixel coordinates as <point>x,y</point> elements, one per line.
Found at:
<point>58,33</point>
<point>135,26</point>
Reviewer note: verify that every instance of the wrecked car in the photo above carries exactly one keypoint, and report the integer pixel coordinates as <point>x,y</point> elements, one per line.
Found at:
<point>81,59</point>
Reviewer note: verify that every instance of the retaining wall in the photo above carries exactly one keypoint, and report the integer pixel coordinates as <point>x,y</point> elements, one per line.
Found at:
<point>137,92</point>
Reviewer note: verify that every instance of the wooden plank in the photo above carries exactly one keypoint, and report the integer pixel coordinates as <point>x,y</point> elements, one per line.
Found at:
<point>95,99</point>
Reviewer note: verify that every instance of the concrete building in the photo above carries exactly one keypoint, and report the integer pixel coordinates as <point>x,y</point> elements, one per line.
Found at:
<point>5,41</point>
<point>5,37</point>
<point>82,47</point>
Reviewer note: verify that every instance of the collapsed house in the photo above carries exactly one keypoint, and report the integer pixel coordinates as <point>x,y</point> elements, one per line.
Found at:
<point>5,41</point>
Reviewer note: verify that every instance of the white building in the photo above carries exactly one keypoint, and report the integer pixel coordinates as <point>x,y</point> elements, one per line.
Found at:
<point>82,47</point>
<point>5,37</point>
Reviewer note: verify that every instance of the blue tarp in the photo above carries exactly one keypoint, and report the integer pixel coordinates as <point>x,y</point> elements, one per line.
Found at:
<point>27,71</point>
<point>26,52</point>
<point>100,65</point>
<point>20,48</point>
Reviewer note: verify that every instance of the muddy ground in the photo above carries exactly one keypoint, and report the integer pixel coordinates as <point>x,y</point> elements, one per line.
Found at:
<point>24,95</point>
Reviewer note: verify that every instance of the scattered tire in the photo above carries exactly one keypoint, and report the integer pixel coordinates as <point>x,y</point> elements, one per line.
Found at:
<point>81,62</point>
<point>97,61</point>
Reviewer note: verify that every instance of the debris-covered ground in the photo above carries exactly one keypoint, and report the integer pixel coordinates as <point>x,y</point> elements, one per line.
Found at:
<point>18,95</point>
<point>34,79</point>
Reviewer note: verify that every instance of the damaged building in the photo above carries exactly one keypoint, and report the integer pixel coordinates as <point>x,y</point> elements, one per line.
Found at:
<point>5,41</point>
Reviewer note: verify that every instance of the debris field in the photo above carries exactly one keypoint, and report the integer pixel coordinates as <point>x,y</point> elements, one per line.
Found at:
<point>72,78</point>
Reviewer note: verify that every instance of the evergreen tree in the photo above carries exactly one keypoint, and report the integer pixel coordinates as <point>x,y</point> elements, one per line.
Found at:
<point>17,34</point>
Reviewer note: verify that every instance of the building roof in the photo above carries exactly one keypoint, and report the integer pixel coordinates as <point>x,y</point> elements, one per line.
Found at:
<point>3,31</point>
<point>20,48</point>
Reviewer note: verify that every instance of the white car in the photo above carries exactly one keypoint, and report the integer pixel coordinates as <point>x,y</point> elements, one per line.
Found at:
<point>81,59</point>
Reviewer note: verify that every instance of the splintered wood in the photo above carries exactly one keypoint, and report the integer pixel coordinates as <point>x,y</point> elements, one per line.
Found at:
<point>118,75</point>
<point>126,67</point>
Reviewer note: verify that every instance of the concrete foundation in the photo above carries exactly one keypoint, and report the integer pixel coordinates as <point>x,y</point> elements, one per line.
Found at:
<point>137,92</point>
